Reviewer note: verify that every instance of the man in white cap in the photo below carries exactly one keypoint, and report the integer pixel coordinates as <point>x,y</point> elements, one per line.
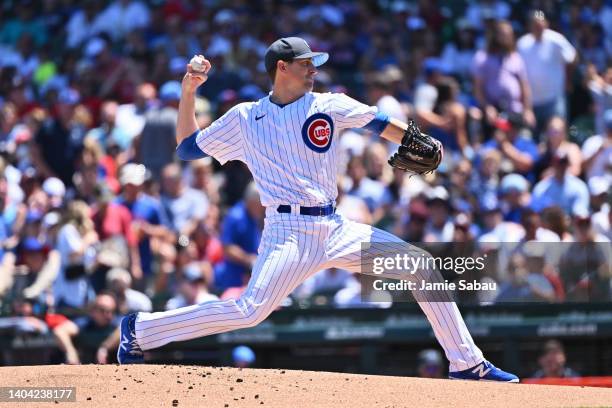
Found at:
<point>119,282</point>
<point>148,217</point>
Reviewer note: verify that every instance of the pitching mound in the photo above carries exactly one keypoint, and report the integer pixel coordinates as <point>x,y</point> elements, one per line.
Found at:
<point>190,386</point>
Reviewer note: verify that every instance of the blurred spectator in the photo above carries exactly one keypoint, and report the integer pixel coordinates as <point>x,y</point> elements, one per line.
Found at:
<point>81,338</point>
<point>118,283</point>
<point>131,116</point>
<point>208,244</point>
<point>31,260</point>
<point>525,285</point>
<point>38,267</point>
<point>590,44</point>
<point>601,92</point>
<point>426,94</point>
<point>375,158</point>
<point>55,190</point>
<point>414,228</point>
<point>562,188</point>
<point>486,178</point>
<point>12,213</point>
<point>23,23</point>
<point>155,146</point>
<point>514,194</point>
<point>479,11</point>
<point>440,226</point>
<point>500,78</point>
<point>203,111</point>
<point>554,219</point>
<point>584,267</point>
<point>597,151</point>
<point>192,289</point>
<point>24,318</point>
<point>429,364</point>
<point>352,207</point>
<point>519,151</point>
<point>87,181</point>
<point>183,206</point>
<point>113,221</point>
<point>534,230</point>
<point>453,115</point>
<point>109,133</point>
<point>553,361</point>
<point>494,228</point>
<point>58,143</point>
<point>373,192</point>
<point>599,186</point>
<point>149,221</point>
<point>84,23</point>
<point>380,95</point>
<point>458,54</point>
<point>123,16</point>
<point>75,239</point>
<point>556,140</point>
<point>241,234</point>
<point>548,54</point>
<point>202,179</point>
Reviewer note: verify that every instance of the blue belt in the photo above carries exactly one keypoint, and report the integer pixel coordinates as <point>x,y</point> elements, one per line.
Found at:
<point>317,211</point>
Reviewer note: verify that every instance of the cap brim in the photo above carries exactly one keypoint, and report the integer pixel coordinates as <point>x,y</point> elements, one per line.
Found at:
<point>318,58</point>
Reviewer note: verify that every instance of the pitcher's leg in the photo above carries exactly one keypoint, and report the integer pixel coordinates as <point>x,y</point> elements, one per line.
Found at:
<point>279,269</point>
<point>443,315</point>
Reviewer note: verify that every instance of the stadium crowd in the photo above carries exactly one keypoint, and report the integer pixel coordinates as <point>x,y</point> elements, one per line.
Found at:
<point>97,214</point>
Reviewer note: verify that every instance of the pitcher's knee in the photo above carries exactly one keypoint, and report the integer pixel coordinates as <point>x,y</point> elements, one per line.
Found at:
<point>253,313</point>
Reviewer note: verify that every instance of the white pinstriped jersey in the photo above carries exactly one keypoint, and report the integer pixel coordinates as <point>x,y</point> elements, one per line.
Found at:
<point>291,150</point>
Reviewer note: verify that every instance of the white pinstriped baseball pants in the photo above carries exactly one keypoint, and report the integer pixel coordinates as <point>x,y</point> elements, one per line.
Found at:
<point>293,248</point>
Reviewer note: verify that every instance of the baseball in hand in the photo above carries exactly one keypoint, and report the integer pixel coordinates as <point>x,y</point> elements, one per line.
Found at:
<point>197,63</point>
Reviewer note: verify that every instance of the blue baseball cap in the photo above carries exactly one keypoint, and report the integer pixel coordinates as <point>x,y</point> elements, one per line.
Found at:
<point>290,48</point>
<point>170,91</point>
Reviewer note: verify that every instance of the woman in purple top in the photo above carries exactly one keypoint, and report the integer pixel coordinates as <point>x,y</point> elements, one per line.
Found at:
<point>500,78</point>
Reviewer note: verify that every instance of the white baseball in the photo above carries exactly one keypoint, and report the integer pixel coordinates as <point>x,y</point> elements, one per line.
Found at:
<point>197,63</point>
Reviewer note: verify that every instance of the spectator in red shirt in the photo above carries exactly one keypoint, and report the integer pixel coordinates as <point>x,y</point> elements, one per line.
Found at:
<point>111,220</point>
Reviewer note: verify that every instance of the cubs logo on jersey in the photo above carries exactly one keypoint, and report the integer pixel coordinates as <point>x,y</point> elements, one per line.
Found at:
<point>317,132</point>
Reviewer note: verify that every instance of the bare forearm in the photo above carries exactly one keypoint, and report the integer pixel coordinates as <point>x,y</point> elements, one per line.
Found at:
<point>63,334</point>
<point>236,254</point>
<point>522,161</point>
<point>429,118</point>
<point>186,122</point>
<point>394,131</point>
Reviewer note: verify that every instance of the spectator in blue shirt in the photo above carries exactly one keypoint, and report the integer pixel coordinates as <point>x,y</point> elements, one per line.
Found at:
<point>184,206</point>
<point>514,194</point>
<point>515,147</point>
<point>241,233</point>
<point>562,189</point>
<point>373,192</point>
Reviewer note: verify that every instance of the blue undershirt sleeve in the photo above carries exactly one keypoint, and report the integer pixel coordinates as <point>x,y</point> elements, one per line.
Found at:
<point>378,124</point>
<point>188,149</point>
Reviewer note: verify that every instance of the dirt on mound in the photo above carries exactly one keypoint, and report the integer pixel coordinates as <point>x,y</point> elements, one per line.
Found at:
<point>193,386</point>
